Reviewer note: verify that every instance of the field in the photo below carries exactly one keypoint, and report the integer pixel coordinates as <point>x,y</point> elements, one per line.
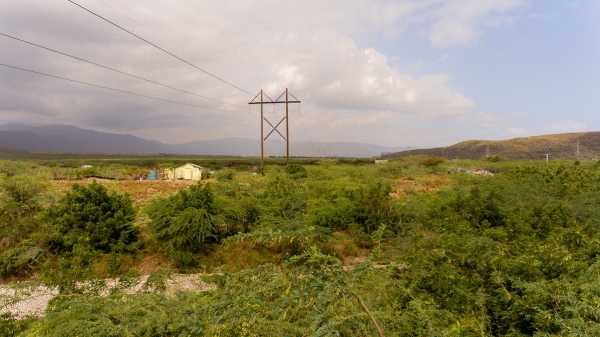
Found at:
<point>415,247</point>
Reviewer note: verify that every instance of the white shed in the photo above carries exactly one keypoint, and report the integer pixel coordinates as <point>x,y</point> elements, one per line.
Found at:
<point>188,171</point>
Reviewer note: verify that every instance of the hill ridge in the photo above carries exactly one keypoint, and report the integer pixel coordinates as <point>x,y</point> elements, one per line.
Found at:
<point>558,146</point>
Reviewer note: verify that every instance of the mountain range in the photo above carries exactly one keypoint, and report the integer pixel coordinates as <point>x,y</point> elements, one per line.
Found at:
<point>72,139</point>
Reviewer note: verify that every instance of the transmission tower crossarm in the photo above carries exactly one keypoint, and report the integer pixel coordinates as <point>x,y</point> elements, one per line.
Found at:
<point>274,128</point>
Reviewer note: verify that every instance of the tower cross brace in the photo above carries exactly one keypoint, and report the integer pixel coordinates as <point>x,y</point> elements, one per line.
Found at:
<point>262,102</point>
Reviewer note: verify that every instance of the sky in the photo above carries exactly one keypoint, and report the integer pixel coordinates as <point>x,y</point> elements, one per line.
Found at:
<point>421,73</point>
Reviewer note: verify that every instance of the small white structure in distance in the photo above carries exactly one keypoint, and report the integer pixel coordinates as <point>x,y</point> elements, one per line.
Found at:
<point>86,166</point>
<point>188,171</point>
<point>381,161</point>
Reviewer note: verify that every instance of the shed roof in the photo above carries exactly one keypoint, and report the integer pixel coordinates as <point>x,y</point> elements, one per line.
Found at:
<point>194,165</point>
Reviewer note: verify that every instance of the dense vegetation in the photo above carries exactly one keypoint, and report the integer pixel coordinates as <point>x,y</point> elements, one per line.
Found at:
<point>330,248</point>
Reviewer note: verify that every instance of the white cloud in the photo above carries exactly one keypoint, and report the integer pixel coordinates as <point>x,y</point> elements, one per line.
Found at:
<point>309,47</point>
<point>517,131</point>
<point>461,22</point>
<point>569,126</point>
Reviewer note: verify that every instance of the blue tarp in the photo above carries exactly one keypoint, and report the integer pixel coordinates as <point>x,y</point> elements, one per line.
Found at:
<point>151,175</point>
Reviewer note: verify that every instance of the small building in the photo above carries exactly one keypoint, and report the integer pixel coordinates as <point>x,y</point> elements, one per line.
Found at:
<point>188,171</point>
<point>381,161</point>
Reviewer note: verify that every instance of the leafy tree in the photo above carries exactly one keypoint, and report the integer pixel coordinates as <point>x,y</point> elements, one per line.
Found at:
<point>94,217</point>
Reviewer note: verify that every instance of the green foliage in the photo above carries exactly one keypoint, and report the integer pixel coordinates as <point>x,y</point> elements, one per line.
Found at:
<point>11,168</point>
<point>185,223</point>
<point>24,192</point>
<point>296,171</point>
<point>284,197</point>
<point>336,213</point>
<point>516,254</point>
<point>70,271</point>
<point>91,216</point>
<point>373,207</point>
<point>22,198</point>
<point>313,258</point>
<point>11,326</point>
<point>118,315</point>
<point>433,161</point>
<point>225,175</point>
<point>495,159</point>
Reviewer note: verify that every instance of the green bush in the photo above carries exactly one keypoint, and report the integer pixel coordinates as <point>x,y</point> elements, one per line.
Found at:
<point>433,161</point>
<point>184,223</point>
<point>296,171</point>
<point>336,214</point>
<point>23,198</point>
<point>11,168</point>
<point>373,207</point>
<point>225,175</point>
<point>495,159</point>
<point>93,217</point>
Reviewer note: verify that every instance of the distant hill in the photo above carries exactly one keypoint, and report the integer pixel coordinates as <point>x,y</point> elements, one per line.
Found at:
<point>71,139</point>
<point>559,146</point>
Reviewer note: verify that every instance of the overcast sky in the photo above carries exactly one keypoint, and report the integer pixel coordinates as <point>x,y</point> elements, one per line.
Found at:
<point>396,73</point>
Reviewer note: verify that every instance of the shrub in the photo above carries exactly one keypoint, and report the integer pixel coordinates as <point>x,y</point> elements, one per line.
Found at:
<point>296,171</point>
<point>92,216</point>
<point>184,223</point>
<point>224,175</point>
<point>433,161</point>
<point>24,192</point>
<point>333,214</point>
<point>11,168</point>
<point>373,207</point>
<point>495,159</point>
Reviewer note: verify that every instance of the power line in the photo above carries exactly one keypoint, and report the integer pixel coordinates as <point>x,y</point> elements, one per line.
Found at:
<point>118,71</point>
<point>152,44</point>
<point>118,90</point>
<point>166,40</point>
<point>217,28</point>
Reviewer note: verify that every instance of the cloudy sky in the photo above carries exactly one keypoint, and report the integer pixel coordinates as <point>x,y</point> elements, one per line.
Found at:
<point>397,73</point>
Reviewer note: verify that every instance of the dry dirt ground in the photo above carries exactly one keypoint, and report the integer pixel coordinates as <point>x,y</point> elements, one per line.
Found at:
<point>141,191</point>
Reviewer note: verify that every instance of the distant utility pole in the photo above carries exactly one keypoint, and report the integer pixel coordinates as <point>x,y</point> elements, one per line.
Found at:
<point>487,151</point>
<point>274,128</point>
<point>546,154</point>
<point>578,154</point>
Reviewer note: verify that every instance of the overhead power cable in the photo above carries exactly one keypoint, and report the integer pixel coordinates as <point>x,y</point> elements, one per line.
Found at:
<point>119,71</point>
<point>117,90</point>
<point>222,33</point>
<point>168,41</point>
<point>152,44</point>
